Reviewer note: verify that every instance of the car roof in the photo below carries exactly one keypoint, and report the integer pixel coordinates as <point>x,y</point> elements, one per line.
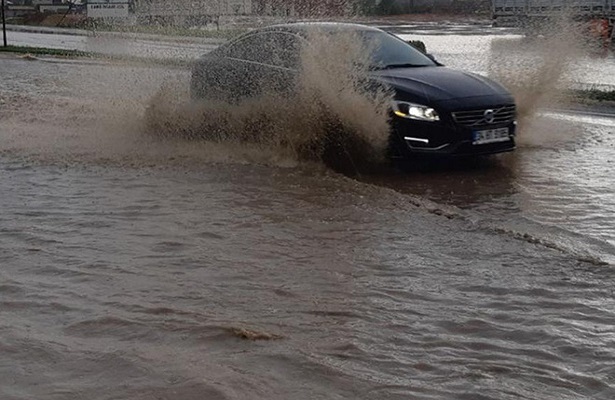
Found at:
<point>303,28</point>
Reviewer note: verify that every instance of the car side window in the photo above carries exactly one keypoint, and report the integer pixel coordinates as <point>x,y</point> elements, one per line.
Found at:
<point>274,48</point>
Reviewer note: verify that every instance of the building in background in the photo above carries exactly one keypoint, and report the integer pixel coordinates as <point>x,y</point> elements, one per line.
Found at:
<point>26,8</point>
<point>202,12</point>
<point>195,12</point>
<point>108,9</point>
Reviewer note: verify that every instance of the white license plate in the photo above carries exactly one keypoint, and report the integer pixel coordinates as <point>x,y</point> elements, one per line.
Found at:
<point>490,136</point>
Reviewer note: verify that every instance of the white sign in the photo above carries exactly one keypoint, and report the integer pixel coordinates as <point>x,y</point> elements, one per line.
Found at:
<point>107,1</point>
<point>108,10</point>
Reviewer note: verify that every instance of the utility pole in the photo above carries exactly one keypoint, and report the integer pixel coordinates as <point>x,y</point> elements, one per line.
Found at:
<point>4,24</point>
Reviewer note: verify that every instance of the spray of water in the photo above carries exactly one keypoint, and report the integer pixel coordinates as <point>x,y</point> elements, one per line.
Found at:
<point>122,114</point>
<point>537,68</point>
<point>332,115</point>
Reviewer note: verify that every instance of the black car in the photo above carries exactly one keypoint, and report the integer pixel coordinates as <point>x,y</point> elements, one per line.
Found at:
<point>436,110</point>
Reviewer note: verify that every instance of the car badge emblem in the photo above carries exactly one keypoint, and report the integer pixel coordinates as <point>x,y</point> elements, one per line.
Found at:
<point>489,116</point>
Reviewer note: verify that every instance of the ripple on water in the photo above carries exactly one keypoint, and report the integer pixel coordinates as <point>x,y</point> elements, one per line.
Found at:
<point>152,273</point>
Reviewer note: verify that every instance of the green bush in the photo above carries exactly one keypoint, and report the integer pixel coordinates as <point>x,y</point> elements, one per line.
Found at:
<point>45,51</point>
<point>395,7</point>
<point>595,94</point>
<point>388,7</point>
<point>419,45</point>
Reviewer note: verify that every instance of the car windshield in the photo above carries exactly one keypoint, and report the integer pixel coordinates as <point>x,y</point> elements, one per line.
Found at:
<point>389,51</point>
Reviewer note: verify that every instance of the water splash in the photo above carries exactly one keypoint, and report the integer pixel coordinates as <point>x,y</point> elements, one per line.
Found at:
<point>537,67</point>
<point>332,115</point>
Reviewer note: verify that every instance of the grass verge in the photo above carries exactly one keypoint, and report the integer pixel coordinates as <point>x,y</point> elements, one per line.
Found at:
<point>45,51</point>
<point>593,94</point>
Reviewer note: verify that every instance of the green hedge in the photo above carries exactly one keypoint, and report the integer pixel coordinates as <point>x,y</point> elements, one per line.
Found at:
<point>396,7</point>
<point>45,51</point>
<point>419,45</point>
<point>595,94</point>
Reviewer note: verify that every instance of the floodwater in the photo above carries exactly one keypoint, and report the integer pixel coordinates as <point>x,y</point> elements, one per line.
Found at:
<point>135,268</point>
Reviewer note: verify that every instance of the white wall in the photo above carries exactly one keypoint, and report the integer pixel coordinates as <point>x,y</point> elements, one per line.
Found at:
<point>194,7</point>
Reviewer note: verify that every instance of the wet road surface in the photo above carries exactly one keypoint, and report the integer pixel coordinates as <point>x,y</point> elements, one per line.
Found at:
<point>133,268</point>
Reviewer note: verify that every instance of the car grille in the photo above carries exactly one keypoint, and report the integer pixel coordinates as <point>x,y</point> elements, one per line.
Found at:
<point>501,115</point>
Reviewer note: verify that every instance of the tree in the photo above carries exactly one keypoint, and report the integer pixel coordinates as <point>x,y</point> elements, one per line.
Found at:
<point>389,7</point>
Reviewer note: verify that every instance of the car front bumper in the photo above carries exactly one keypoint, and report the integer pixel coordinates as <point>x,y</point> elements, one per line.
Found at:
<point>412,137</point>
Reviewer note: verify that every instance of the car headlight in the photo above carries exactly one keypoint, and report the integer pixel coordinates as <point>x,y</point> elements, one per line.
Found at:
<point>404,109</point>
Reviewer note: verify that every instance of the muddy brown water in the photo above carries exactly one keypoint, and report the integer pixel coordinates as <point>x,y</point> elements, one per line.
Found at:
<point>133,269</point>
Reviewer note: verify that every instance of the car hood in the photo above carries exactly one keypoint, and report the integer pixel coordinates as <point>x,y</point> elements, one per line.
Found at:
<point>434,85</point>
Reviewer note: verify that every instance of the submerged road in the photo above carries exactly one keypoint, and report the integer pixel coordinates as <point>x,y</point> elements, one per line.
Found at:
<point>143,268</point>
